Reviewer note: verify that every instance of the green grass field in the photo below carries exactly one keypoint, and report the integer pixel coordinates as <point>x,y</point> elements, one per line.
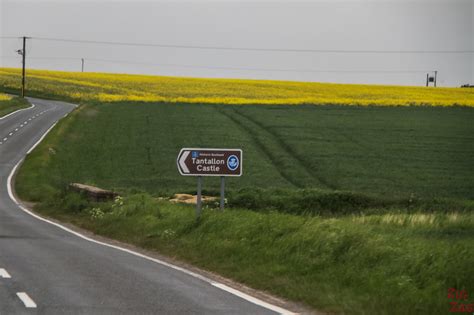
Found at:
<point>348,209</point>
<point>393,152</point>
<point>9,105</point>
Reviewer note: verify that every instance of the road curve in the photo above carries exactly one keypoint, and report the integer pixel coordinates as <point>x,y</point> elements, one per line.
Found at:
<point>44,269</point>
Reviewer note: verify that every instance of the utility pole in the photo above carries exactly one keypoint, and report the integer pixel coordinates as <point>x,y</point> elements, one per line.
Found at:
<point>22,52</point>
<point>436,75</point>
<point>82,59</point>
<point>23,73</point>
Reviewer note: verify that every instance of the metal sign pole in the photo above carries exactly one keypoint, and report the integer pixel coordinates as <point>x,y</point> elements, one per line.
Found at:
<point>198,203</point>
<point>222,191</point>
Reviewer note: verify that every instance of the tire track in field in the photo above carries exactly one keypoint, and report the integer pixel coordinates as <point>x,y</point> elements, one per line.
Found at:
<point>301,161</point>
<point>248,124</point>
<point>262,147</point>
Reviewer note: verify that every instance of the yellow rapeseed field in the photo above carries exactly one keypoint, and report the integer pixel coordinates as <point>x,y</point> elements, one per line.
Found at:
<point>4,97</point>
<point>121,87</point>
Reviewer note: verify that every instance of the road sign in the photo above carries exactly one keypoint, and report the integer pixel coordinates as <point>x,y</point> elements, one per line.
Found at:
<point>210,162</point>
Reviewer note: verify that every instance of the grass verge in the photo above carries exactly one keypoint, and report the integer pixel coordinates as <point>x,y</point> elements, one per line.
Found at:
<point>392,263</point>
<point>9,105</point>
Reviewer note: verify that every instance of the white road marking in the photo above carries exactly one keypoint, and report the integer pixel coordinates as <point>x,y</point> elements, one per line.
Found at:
<point>20,110</point>
<point>29,303</point>
<point>25,123</point>
<point>4,274</point>
<point>41,139</point>
<point>252,299</point>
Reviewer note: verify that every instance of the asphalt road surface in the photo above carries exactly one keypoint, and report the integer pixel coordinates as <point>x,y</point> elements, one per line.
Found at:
<point>45,269</point>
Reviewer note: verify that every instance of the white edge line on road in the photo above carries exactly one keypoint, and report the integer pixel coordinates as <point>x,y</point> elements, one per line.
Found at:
<point>20,110</point>
<point>4,274</point>
<point>158,261</point>
<point>41,139</point>
<point>29,303</point>
<point>252,299</point>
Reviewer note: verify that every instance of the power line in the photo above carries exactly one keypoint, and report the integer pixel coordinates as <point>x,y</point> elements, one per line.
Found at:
<point>45,58</point>
<point>253,69</point>
<point>224,68</point>
<point>228,48</point>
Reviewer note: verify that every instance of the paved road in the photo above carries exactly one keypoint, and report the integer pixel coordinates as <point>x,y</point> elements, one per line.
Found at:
<point>61,273</point>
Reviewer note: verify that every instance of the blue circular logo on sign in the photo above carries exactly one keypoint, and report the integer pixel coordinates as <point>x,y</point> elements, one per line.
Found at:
<point>233,162</point>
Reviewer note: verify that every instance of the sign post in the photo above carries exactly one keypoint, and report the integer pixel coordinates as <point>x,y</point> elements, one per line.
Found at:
<point>209,162</point>
<point>199,197</point>
<point>222,192</point>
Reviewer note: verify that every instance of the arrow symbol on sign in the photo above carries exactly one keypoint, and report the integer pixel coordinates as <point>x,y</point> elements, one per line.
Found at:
<point>4,274</point>
<point>182,163</point>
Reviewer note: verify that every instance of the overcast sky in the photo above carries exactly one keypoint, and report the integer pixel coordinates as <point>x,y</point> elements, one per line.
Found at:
<point>349,26</point>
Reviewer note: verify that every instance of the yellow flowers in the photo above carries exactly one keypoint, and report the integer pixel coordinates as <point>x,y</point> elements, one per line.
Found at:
<point>4,97</point>
<point>121,87</point>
